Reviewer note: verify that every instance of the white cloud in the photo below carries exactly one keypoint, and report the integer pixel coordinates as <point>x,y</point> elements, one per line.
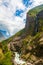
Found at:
<point>11,25</point>
<point>38,2</point>
<point>6,16</point>
<point>11,22</point>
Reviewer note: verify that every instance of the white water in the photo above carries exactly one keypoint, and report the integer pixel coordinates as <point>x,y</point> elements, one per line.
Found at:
<point>18,60</point>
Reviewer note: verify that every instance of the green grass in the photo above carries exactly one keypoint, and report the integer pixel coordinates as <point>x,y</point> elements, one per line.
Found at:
<point>35,10</point>
<point>20,32</point>
<point>7,59</point>
<point>41,25</point>
<point>5,55</point>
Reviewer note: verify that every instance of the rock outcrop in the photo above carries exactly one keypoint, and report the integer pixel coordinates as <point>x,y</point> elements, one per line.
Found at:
<point>30,24</point>
<point>40,15</point>
<point>33,24</point>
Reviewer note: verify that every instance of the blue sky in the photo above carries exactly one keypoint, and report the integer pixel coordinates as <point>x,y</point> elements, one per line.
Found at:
<point>27,2</point>
<point>18,12</point>
<point>13,14</point>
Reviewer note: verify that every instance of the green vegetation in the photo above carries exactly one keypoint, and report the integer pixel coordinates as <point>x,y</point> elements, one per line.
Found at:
<point>41,25</point>
<point>32,47</point>
<point>35,10</point>
<point>20,32</point>
<point>7,59</point>
<point>5,55</point>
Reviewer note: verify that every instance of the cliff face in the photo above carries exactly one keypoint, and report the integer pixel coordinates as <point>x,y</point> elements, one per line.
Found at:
<point>33,24</point>
<point>30,24</point>
<point>39,22</point>
<point>40,15</point>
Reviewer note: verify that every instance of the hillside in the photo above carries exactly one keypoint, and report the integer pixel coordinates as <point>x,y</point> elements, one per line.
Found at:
<point>27,42</point>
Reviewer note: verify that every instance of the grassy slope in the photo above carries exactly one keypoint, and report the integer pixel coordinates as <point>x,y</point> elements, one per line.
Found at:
<point>6,55</point>
<point>11,38</point>
<point>35,10</point>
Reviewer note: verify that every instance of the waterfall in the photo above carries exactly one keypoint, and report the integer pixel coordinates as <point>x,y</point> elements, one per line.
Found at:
<point>18,60</point>
<point>36,25</point>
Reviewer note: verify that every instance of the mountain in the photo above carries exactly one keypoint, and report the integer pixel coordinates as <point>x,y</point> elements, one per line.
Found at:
<point>1,37</point>
<point>29,41</point>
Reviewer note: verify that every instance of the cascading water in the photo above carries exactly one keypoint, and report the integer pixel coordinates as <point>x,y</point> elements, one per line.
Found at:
<point>18,60</point>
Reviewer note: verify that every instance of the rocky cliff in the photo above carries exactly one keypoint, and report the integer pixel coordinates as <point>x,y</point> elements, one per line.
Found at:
<point>33,24</point>
<point>30,24</point>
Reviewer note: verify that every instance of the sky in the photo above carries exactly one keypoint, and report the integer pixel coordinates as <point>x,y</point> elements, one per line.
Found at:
<point>13,15</point>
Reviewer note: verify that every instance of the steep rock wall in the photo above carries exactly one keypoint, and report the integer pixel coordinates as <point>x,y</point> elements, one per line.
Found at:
<point>34,25</point>
<point>30,24</point>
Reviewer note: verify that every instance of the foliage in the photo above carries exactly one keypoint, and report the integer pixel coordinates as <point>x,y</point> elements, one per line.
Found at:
<point>7,59</point>
<point>35,10</point>
<point>5,55</point>
<point>20,32</point>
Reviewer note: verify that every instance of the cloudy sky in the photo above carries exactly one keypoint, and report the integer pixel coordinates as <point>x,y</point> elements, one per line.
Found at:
<point>13,14</point>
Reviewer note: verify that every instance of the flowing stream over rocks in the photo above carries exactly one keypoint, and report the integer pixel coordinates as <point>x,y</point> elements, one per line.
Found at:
<point>18,61</point>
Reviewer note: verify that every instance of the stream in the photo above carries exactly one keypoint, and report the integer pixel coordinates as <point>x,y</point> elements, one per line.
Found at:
<point>18,61</point>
